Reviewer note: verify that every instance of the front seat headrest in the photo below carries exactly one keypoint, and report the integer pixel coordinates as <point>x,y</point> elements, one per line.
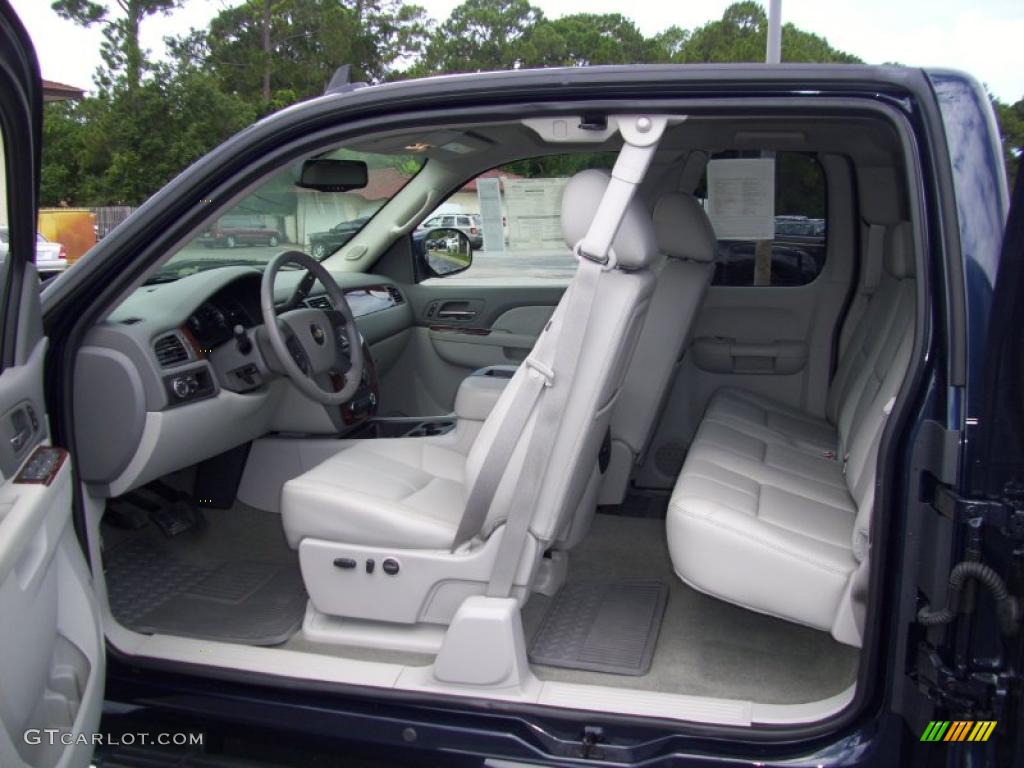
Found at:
<point>635,245</point>
<point>683,228</point>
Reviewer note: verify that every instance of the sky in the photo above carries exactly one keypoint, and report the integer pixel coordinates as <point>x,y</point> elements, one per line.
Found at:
<point>983,37</point>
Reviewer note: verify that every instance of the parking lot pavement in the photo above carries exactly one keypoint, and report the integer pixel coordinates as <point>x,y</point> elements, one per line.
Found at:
<point>487,265</point>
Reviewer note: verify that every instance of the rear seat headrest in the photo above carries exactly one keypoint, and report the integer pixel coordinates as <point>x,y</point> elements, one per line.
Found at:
<point>683,228</point>
<point>635,245</point>
<point>899,250</point>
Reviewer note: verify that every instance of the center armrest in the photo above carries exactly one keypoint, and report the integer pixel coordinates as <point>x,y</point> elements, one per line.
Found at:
<point>477,395</point>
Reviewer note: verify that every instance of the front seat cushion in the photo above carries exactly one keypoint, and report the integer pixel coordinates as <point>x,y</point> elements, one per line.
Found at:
<point>402,492</point>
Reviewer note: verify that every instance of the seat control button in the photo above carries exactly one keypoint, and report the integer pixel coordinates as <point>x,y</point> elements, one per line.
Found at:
<point>344,562</point>
<point>369,565</point>
<point>390,566</point>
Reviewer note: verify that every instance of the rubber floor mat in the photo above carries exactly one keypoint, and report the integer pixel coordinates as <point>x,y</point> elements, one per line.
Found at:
<point>602,627</point>
<point>252,603</point>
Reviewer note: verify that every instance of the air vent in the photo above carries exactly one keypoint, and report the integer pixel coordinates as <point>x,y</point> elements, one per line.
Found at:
<point>319,302</point>
<point>170,350</point>
<point>396,295</point>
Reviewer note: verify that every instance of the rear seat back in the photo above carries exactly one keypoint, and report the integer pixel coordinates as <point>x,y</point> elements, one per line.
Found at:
<point>689,246</point>
<point>871,355</point>
<point>757,493</point>
<point>882,380</point>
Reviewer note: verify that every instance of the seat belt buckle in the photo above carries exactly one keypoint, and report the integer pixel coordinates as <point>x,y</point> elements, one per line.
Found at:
<point>542,370</point>
<point>606,263</point>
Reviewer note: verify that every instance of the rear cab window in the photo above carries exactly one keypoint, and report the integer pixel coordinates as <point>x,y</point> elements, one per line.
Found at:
<point>794,255</point>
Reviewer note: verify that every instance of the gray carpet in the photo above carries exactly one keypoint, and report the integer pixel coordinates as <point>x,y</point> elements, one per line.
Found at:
<point>706,647</point>
<point>231,579</point>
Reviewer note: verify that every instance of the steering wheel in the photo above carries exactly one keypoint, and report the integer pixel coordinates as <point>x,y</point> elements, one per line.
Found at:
<point>308,342</point>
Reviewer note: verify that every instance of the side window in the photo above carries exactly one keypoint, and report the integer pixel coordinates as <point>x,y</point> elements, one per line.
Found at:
<point>795,254</point>
<point>512,215</point>
<point>447,221</point>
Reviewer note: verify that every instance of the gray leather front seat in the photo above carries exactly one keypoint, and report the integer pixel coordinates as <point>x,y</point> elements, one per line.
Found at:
<point>402,499</point>
<point>687,240</point>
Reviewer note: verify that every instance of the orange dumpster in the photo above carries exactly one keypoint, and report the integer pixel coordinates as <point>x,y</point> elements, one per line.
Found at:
<point>74,228</point>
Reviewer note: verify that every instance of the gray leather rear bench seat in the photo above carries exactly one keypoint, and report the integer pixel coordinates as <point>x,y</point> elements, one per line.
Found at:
<point>772,507</point>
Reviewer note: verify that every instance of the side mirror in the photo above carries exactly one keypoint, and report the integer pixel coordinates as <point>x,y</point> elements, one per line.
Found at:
<point>325,174</point>
<point>443,252</point>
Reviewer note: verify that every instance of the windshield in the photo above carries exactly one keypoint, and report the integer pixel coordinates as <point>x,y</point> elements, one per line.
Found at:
<point>279,215</point>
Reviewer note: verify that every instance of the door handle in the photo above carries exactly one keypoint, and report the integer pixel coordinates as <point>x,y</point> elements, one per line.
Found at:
<point>23,426</point>
<point>20,439</point>
<point>456,314</point>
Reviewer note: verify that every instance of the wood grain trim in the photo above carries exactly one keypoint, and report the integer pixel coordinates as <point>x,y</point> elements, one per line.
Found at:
<point>460,329</point>
<point>62,456</point>
<point>193,342</point>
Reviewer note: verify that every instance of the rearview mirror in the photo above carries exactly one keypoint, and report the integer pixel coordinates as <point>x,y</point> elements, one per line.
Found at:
<point>444,251</point>
<point>325,174</point>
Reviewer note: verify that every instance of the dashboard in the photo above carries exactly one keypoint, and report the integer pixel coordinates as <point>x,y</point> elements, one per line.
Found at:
<point>163,382</point>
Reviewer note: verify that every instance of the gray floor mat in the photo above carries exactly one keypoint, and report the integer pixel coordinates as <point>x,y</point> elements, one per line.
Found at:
<point>602,627</point>
<point>153,591</point>
<point>706,647</point>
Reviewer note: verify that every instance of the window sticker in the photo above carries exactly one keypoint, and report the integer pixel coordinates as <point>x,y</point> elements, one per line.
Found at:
<point>741,198</point>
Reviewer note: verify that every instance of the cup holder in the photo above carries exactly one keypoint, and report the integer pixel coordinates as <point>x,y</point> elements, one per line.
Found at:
<point>402,427</point>
<point>432,428</point>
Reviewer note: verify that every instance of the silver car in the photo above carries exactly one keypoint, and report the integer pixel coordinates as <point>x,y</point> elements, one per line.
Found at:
<point>51,258</point>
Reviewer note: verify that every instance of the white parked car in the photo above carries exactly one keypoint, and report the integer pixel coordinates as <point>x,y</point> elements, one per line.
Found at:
<point>51,258</point>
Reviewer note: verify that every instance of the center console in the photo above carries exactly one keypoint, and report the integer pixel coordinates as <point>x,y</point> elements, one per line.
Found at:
<point>475,399</point>
<point>363,405</point>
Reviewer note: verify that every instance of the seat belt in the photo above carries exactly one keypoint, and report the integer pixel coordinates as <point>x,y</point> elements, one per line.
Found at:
<point>595,257</point>
<point>546,429</point>
<point>540,375</point>
<point>641,135</point>
<point>870,277</point>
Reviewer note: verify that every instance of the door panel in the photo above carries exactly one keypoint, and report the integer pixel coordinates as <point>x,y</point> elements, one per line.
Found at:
<point>52,666</point>
<point>52,659</point>
<point>460,326</point>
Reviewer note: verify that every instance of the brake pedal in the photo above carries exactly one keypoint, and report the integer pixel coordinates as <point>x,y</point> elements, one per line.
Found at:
<point>125,516</point>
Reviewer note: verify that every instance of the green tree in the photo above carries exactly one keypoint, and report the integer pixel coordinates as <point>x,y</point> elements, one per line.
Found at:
<point>671,42</point>
<point>278,52</point>
<point>121,50</point>
<point>119,148</point>
<point>742,35</point>
<point>583,39</point>
<point>481,35</point>
<point>1011,130</point>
